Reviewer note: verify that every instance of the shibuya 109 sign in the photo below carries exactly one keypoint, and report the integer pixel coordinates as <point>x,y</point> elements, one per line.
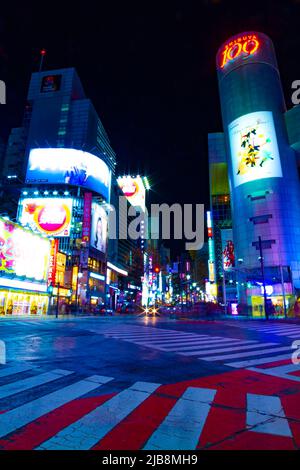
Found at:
<point>68,166</point>
<point>23,253</point>
<point>241,47</point>
<point>49,216</point>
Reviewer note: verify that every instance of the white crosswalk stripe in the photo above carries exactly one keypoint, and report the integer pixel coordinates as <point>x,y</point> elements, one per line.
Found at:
<point>202,347</point>
<point>188,417</point>
<point>25,414</point>
<point>86,432</point>
<point>266,415</point>
<point>291,330</point>
<point>11,370</point>
<point>31,382</point>
<point>179,429</point>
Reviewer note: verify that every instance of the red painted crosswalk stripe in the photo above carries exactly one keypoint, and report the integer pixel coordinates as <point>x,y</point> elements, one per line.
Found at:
<point>226,425</point>
<point>43,428</point>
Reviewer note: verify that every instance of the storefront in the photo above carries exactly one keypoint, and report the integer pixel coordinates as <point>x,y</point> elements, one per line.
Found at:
<point>24,264</point>
<point>14,302</point>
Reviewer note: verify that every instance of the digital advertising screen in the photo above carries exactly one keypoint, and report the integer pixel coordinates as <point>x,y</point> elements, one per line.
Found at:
<point>99,228</point>
<point>49,216</point>
<point>134,190</point>
<point>23,253</point>
<point>227,249</point>
<point>68,166</point>
<point>254,149</point>
<point>50,83</point>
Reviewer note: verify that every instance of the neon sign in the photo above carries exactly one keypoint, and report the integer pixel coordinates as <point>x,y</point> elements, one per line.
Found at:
<point>241,47</point>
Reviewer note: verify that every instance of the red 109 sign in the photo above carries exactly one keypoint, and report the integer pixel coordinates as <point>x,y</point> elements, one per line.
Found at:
<point>242,47</point>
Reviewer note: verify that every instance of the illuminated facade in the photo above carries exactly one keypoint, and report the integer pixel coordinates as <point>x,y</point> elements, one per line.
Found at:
<point>262,173</point>
<point>24,264</point>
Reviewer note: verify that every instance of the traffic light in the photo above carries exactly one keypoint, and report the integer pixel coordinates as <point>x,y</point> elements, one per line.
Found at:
<point>157,269</point>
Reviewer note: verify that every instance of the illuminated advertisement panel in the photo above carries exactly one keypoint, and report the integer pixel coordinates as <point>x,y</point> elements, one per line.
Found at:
<point>254,149</point>
<point>23,253</point>
<point>134,190</point>
<point>50,216</point>
<point>68,166</point>
<point>227,249</point>
<point>99,228</point>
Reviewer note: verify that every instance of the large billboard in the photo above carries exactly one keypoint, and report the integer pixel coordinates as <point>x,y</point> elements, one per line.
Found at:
<point>23,253</point>
<point>228,258</point>
<point>68,166</point>
<point>99,228</point>
<point>49,216</point>
<point>254,149</point>
<point>134,190</point>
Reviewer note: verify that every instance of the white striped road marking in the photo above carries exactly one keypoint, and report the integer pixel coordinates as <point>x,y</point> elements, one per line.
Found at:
<point>255,362</point>
<point>179,342</point>
<point>175,346</point>
<point>282,372</point>
<point>227,348</point>
<point>247,354</point>
<point>157,335</point>
<point>182,428</point>
<point>267,416</point>
<point>31,382</point>
<point>25,414</point>
<point>241,348</point>
<point>293,332</point>
<point>201,346</point>
<point>4,372</point>
<point>87,431</point>
<point>153,337</point>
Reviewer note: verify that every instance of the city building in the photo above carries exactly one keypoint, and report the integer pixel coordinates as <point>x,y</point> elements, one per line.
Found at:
<point>58,175</point>
<point>258,150</point>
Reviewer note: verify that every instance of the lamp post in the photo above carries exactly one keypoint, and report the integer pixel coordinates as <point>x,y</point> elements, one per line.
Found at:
<point>57,301</point>
<point>263,277</point>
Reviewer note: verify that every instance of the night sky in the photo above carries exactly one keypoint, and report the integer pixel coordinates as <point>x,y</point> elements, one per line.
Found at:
<point>149,68</point>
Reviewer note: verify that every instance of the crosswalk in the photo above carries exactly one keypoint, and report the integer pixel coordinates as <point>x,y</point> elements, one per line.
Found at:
<point>176,423</point>
<point>232,352</point>
<point>290,330</point>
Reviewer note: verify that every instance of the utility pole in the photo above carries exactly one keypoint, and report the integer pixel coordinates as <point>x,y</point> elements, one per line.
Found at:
<point>283,292</point>
<point>263,277</point>
<point>57,303</point>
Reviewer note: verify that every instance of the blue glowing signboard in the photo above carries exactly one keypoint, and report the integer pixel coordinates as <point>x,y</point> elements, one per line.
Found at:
<point>68,166</point>
<point>254,149</point>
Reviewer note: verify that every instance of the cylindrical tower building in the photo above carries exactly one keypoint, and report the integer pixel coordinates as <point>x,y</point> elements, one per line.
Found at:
<point>264,181</point>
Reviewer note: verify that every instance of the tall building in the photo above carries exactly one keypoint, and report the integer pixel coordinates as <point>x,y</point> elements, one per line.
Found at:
<point>61,166</point>
<point>263,179</point>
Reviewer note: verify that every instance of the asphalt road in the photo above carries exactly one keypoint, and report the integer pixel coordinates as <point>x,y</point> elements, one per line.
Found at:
<point>148,383</point>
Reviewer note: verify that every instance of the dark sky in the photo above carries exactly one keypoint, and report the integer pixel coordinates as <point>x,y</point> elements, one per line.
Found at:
<point>149,68</point>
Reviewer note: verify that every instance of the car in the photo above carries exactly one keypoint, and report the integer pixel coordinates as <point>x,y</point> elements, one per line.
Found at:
<point>131,308</point>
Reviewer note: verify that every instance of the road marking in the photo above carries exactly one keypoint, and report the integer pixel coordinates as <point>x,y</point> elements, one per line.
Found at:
<point>86,432</point>
<point>182,427</point>
<point>31,382</point>
<point>222,344</point>
<point>14,370</point>
<point>267,415</point>
<point>255,362</point>
<point>25,414</point>
<point>188,341</point>
<point>282,372</point>
<point>227,348</point>
<point>241,348</point>
<point>247,354</point>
